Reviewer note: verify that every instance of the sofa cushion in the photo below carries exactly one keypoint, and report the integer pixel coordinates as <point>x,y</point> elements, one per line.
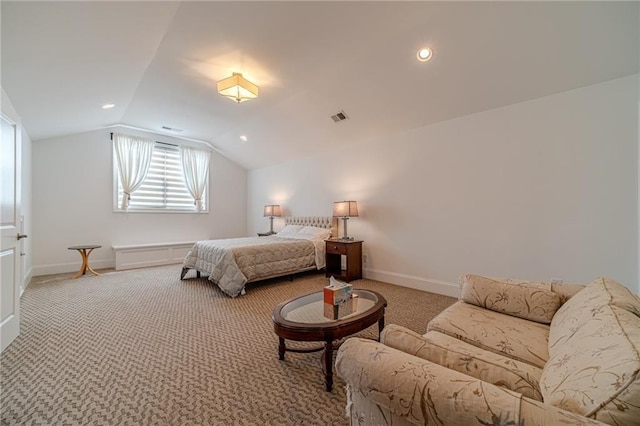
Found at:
<point>585,305</point>
<point>534,412</point>
<point>513,337</point>
<point>595,372</point>
<point>528,300</point>
<point>465,358</point>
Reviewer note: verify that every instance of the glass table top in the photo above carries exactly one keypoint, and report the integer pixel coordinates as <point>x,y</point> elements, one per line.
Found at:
<point>309,309</point>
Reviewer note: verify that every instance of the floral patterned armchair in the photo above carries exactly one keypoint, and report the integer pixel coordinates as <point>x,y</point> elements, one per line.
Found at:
<point>508,353</point>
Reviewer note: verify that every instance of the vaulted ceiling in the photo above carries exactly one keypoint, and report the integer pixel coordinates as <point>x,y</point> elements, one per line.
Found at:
<point>159,62</point>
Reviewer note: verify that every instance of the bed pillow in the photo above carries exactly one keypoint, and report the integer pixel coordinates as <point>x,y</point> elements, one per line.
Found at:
<point>290,229</point>
<point>321,233</point>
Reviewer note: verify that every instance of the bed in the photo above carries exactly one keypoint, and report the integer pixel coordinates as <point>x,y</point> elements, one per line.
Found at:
<point>231,263</point>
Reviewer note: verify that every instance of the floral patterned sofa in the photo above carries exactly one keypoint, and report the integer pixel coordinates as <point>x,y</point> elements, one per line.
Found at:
<point>507,353</point>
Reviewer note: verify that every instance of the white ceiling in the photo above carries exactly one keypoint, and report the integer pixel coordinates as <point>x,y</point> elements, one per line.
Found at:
<point>159,63</point>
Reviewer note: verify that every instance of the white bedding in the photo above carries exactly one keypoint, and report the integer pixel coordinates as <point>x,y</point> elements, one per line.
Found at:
<point>231,263</point>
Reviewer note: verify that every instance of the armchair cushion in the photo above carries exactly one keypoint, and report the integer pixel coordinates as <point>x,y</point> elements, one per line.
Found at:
<point>467,359</point>
<point>524,299</point>
<point>514,337</point>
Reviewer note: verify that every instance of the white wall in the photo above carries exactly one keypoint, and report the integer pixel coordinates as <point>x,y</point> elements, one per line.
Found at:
<point>542,189</point>
<point>72,201</point>
<point>25,192</point>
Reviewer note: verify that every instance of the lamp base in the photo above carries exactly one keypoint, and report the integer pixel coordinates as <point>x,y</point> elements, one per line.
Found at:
<point>344,235</point>
<point>346,239</point>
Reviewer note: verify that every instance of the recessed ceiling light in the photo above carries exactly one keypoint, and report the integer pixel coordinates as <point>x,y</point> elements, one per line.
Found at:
<point>243,138</point>
<point>424,54</point>
<point>108,106</point>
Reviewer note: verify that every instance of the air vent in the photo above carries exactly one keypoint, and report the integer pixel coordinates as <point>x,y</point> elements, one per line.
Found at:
<point>341,116</point>
<point>172,129</point>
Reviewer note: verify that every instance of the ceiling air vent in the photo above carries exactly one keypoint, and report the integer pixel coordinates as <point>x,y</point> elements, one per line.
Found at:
<point>339,117</point>
<point>172,129</point>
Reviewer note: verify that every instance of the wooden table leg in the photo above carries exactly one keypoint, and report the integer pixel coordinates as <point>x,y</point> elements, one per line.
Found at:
<point>85,264</point>
<point>281,348</point>
<point>89,267</point>
<point>328,365</point>
<point>83,268</point>
<point>380,327</point>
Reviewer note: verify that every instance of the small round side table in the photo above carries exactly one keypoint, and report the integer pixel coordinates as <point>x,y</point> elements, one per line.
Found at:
<point>84,251</point>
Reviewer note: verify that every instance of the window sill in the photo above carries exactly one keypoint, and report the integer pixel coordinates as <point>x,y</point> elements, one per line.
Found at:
<point>173,211</point>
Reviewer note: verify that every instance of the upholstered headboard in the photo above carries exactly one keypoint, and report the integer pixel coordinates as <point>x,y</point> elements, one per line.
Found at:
<point>327,222</point>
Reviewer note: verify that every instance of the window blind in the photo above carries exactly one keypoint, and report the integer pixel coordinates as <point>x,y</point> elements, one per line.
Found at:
<point>164,186</point>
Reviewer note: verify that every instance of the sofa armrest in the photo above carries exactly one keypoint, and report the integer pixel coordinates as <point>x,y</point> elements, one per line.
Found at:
<point>524,299</point>
<point>417,391</point>
<point>470,360</point>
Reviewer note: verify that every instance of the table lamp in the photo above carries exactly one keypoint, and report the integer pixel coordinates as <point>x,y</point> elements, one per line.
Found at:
<point>345,210</point>
<point>272,210</point>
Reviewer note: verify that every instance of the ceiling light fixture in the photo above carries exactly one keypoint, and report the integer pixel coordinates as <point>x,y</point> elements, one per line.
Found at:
<point>108,106</point>
<point>243,138</point>
<point>424,54</point>
<point>237,88</point>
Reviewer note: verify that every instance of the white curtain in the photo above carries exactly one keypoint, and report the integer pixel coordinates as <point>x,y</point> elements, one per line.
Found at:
<point>133,156</point>
<point>195,170</point>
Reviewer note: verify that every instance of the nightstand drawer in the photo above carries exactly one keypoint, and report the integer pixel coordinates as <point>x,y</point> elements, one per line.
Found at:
<point>336,248</point>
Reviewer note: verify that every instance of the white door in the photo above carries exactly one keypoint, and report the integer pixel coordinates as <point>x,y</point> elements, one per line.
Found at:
<point>10,271</point>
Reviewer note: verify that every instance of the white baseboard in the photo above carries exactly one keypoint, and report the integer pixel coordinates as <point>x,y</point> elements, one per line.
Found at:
<point>63,268</point>
<point>26,280</point>
<point>126,257</point>
<point>425,284</point>
<point>144,255</point>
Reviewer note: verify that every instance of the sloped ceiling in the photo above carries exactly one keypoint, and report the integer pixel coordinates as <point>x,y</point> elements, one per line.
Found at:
<point>159,63</point>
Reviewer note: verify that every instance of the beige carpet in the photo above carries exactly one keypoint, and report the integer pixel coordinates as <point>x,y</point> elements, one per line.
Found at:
<point>142,347</point>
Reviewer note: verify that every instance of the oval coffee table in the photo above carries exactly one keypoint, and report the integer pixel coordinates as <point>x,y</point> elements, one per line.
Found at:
<point>302,319</point>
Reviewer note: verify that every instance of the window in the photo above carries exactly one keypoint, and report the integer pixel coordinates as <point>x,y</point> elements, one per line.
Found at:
<point>164,188</point>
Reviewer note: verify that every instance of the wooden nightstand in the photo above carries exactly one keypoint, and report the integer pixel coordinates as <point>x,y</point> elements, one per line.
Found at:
<point>265,234</point>
<point>334,250</point>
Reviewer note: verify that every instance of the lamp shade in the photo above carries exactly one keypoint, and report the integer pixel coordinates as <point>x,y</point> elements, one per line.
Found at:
<point>237,88</point>
<point>345,209</point>
<point>272,210</point>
